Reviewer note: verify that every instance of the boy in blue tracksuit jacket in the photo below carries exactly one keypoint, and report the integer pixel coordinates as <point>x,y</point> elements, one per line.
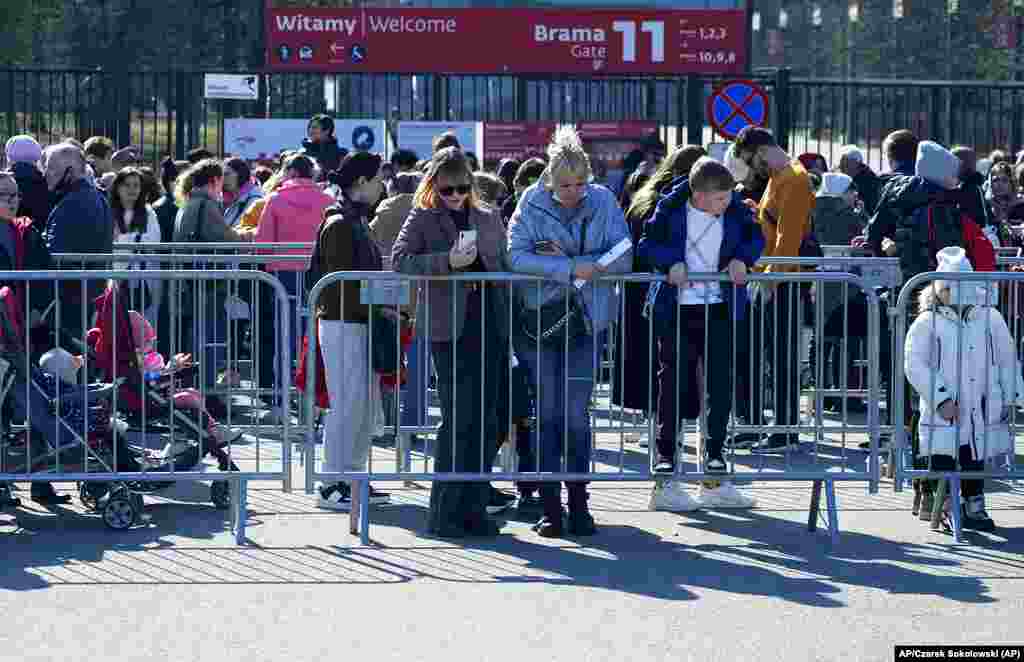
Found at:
<point>701,226</point>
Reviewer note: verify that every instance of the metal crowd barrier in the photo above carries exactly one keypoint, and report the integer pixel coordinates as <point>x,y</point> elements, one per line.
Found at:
<point>134,423</point>
<point>986,295</point>
<point>211,248</point>
<point>826,449</point>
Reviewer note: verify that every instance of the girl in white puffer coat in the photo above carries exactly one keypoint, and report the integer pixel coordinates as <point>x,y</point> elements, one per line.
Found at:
<point>959,358</point>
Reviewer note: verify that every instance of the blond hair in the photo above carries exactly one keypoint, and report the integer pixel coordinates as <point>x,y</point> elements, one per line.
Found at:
<point>566,156</point>
<point>450,162</point>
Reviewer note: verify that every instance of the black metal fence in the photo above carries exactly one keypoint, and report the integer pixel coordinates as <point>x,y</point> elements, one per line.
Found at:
<point>165,112</point>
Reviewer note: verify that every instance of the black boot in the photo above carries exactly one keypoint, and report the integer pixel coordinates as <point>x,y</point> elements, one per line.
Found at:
<point>581,522</point>
<point>443,517</point>
<point>550,526</point>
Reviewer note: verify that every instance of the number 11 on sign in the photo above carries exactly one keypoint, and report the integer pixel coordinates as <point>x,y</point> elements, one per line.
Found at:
<point>628,31</point>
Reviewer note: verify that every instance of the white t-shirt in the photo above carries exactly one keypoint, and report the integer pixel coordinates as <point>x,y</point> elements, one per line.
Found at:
<point>703,247</point>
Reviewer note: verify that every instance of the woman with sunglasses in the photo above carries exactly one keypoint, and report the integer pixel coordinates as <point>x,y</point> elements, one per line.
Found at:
<point>449,231</point>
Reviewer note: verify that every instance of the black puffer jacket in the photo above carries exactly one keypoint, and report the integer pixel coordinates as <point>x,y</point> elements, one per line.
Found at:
<point>35,197</point>
<point>895,218</point>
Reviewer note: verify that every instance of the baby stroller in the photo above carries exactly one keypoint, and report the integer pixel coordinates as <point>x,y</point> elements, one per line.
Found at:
<point>146,417</point>
<point>68,425</point>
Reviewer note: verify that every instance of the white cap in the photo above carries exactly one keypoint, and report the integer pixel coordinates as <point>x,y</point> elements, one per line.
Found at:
<point>851,153</point>
<point>834,185</point>
<point>739,169</point>
<point>953,259</point>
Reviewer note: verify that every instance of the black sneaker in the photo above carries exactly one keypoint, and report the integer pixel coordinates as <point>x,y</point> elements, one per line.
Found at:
<point>378,498</point>
<point>500,502</point>
<point>336,497</point>
<point>665,465</point>
<point>777,443</point>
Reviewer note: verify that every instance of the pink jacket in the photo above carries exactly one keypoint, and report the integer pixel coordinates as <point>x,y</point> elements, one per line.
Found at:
<point>292,214</point>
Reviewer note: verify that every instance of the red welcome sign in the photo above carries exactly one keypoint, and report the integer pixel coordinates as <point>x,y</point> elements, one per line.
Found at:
<point>539,41</point>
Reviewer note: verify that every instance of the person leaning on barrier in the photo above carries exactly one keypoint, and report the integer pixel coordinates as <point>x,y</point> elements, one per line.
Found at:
<point>784,215</point>
<point>563,225</point>
<point>343,243</point>
<point>22,248</point>
<point>960,358</point>
<point>467,324</point>
<point>701,226</point>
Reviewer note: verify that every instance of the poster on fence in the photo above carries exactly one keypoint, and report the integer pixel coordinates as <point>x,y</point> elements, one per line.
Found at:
<point>516,140</point>
<point>265,138</point>
<point>419,136</point>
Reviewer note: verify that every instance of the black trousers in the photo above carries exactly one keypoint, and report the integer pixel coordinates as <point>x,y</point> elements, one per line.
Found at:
<point>468,374</point>
<point>781,319</point>
<point>678,387</point>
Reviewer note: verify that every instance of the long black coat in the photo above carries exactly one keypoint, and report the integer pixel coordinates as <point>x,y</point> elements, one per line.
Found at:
<point>635,383</point>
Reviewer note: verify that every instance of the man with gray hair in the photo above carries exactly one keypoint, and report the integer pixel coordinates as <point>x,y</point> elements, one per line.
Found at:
<point>80,222</point>
<point>853,164</point>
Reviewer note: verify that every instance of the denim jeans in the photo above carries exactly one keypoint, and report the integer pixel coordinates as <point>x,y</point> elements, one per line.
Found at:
<point>270,323</point>
<point>414,393</point>
<point>563,383</point>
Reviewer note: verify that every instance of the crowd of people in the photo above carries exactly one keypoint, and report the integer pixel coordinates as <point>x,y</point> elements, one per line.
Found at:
<point>675,213</point>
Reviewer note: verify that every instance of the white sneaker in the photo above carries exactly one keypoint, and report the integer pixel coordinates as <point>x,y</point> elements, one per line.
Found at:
<point>724,495</point>
<point>671,497</point>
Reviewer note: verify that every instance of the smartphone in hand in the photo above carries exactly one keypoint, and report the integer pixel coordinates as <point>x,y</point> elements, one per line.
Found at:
<point>467,238</point>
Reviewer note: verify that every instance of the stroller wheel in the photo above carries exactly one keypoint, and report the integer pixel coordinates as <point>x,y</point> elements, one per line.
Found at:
<point>220,494</point>
<point>119,513</point>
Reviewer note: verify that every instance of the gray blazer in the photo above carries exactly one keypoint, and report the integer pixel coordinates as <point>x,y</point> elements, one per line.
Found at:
<point>422,249</point>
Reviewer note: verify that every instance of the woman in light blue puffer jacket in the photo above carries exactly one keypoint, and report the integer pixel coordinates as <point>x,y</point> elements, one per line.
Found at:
<point>562,226</point>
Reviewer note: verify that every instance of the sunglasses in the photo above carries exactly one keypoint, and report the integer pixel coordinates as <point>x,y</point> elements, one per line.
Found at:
<point>10,197</point>
<point>461,189</point>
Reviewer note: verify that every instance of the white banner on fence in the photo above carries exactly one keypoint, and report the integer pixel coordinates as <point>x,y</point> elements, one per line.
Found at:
<point>265,138</point>
<point>243,87</point>
<point>418,136</point>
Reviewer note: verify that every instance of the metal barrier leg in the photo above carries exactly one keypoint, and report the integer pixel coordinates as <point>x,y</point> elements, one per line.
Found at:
<point>833,512</point>
<point>364,512</point>
<point>954,509</point>
<point>241,488</point>
<point>812,517</point>
<point>353,513</point>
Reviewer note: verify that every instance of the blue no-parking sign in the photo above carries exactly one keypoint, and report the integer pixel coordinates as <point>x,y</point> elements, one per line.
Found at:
<point>735,105</point>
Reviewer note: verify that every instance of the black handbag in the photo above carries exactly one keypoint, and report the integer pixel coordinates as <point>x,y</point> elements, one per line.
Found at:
<point>384,347</point>
<point>561,318</point>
